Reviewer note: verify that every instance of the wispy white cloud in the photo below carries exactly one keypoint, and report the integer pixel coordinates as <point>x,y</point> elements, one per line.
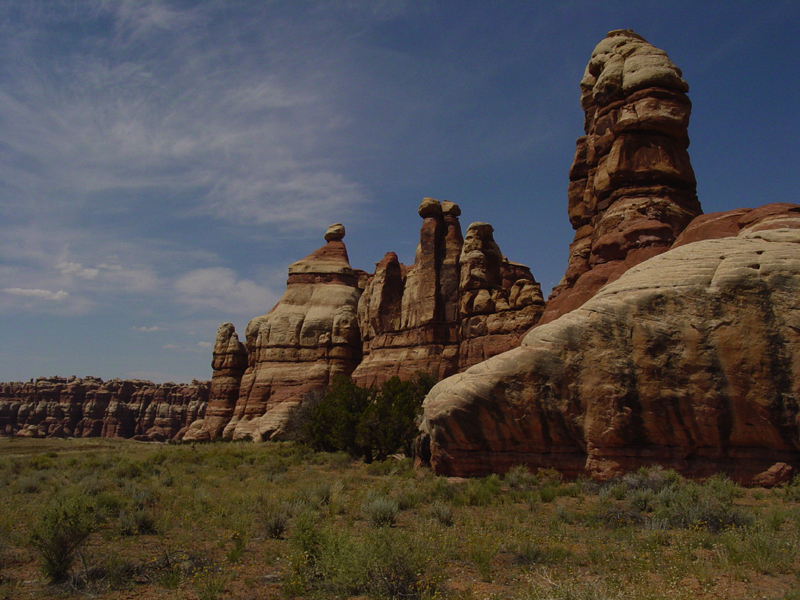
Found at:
<point>150,329</point>
<point>205,344</point>
<point>38,294</point>
<point>221,289</point>
<point>194,114</point>
<point>77,269</point>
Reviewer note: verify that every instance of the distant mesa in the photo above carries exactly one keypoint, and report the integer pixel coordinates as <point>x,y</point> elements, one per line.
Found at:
<point>90,407</point>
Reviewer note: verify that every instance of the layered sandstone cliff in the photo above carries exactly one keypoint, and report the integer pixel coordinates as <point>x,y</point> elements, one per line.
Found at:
<point>229,362</point>
<point>460,302</point>
<point>90,407</point>
<point>632,187</point>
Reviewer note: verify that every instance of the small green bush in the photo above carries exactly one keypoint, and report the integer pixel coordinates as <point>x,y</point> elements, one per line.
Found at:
<point>480,492</point>
<point>519,477</point>
<point>442,513</point>
<point>140,521</point>
<point>707,505</point>
<point>274,521</point>
<point>548,493</point>
<point>529,552</point>
<point>59,533</point>
<point>380,511</point>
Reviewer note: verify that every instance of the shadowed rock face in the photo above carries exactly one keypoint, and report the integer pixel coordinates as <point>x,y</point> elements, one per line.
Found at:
<point>690,360</point>
<point>632,187</point>
<point>89,407</point>
<point>499,300</point>
<point>311,335</point>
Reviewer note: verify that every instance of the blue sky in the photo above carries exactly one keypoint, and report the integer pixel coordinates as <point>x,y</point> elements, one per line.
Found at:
<point>162,163</point>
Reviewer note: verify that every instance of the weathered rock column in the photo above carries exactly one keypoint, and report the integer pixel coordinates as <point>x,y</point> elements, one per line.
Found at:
<point>632,187</point>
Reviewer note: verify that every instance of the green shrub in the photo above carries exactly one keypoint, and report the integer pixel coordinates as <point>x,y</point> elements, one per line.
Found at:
<point>139,521</point>
<point>442,513</point>
<point>380,511</point>
<point>31,484</point>
<point>398,567</point>
<point>407,497</point>
<point>519,477</point>
<point>548,493</point>
<point>381,468</point>
<point>480,492</point>
<point>707,505</point>
<point>332,423</point>
<point>209,585</point>
<point>389,423</point>
<point>307,537</point>
<point>314,494</point>
<point>528,552</point>
<point>362,422</point>
<point>274,521</point>
<point>59,533</point>
<point>239,545</point>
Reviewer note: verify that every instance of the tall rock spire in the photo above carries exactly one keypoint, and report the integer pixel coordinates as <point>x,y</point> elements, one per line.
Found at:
<point>632,187</point>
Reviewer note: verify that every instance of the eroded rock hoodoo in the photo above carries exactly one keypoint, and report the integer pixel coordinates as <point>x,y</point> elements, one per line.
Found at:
<point>460,302</point>
<point>309,336</point>
<point>632,187</point>
<point>685,357</point>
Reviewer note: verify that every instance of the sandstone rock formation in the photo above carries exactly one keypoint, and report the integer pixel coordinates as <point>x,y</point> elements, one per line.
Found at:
<point>632,187</point>
<point>673,337</point>
<point>690,360</point>
<point>311,335</point>
<point>459,303</point>
<point>499,300</point>
<point>229,363</point>
<point>89,407</point>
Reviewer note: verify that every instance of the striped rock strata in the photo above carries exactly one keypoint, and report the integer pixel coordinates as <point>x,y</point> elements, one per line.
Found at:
<point>632,187</point>
<point>460,302</point>
<point>90,407</point>
<point>690,360</point>
<point>310,336</point>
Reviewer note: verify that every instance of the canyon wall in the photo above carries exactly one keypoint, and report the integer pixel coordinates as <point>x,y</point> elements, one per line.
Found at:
<point>90,407</point>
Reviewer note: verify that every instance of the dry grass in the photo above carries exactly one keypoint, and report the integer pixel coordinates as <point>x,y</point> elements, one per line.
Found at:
<point>249,521</point>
